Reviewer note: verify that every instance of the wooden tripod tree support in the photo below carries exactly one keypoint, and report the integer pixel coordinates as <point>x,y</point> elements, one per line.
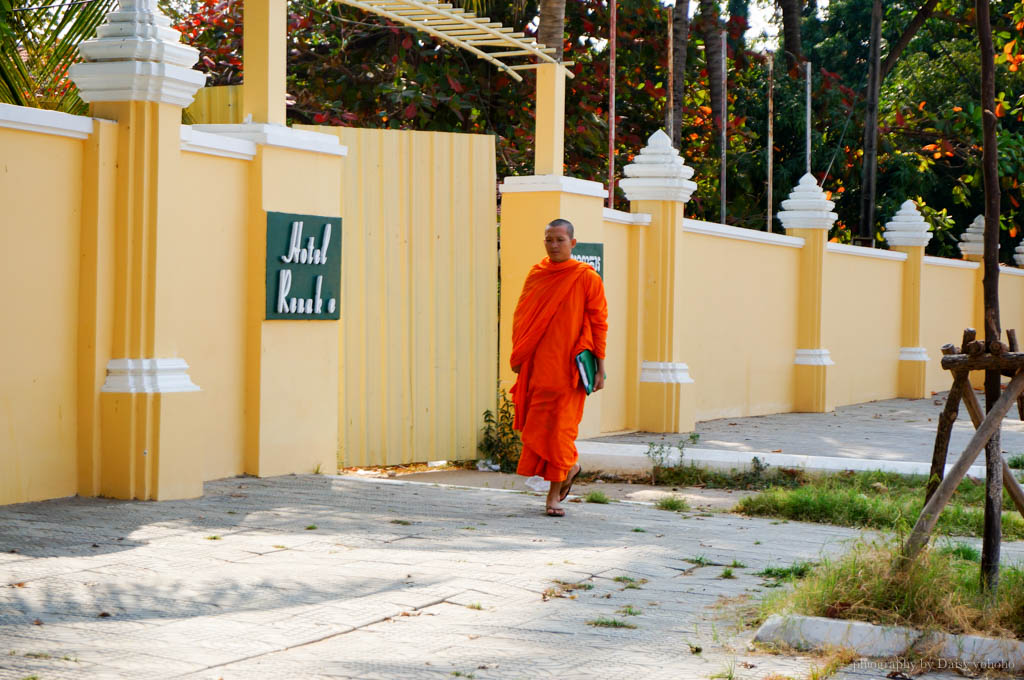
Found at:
<point>961,361</point>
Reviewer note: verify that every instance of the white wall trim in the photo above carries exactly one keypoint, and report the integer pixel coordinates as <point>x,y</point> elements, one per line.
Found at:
<point>913,354</point>
<point>623,217</point>
<point>216,145</point>
<point>566,185</point>
<point>148,375</point>
<point>664,372</point>
<point>861,251</point>
<point>741,234</point>
<point>1011,271</point>
<point>813,357</point>
<point>45,122</point>
<point>950,262</point>
<point>268,134</point>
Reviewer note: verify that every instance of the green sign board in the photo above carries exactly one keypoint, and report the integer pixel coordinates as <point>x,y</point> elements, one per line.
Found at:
<point>592,254</point>
<point>303,266</point>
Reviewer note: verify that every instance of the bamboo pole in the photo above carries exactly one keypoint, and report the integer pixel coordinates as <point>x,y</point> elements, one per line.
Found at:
<point>990,425</point>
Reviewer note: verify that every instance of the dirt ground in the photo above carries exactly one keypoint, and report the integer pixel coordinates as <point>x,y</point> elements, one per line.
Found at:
<point>711,500</point>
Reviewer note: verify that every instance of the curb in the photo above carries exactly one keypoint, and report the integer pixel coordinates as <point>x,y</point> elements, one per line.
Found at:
<point>632,459</point>
<point>871,640</point>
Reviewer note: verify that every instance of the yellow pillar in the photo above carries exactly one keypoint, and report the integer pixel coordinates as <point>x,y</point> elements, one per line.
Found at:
<point>907,232</point>
<point>265,61</point>
<point>146,449</point>
<point>807,215</point>
<point>549,131</point>
<point>659,184</point>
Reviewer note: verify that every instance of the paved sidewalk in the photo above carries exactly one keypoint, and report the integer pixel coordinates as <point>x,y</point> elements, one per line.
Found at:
<point>890,430</point>
<point>394,581</point>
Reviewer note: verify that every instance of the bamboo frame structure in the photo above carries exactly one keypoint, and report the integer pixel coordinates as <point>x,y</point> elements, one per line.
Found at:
<point>464,30</point>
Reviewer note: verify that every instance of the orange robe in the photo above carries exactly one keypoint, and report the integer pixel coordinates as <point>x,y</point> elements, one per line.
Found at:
<point>561,312</point>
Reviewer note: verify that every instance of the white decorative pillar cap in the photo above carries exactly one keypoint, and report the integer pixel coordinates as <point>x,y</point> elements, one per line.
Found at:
<point>972,241</point>
<point>137,56</point>
<point>907,227</point>
<point>807,207</point>
<point>1018,255</point>
<point>658,173</point>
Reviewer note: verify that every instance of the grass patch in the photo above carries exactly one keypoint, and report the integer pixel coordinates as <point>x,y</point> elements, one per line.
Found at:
<point>213,538</point>
<point>629,610</point>
<point>797,570</point>
<point>630,583</point>
<point>736,564</point>
<point>403,522</point>
<point>596,497</point>
<point>605,622</point>
<point>877,500</point>
<point>565,589</point>
<point>476,605</point>
<point>699,560</point>
<point>640,530</point>
<point>311,527</point>
<point>673,504</point>
<point>1016,462</point>
<point>727,573</point>
<point>939,591</point>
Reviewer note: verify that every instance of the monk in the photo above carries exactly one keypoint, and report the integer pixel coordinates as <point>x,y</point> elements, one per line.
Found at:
<point>561,312</point>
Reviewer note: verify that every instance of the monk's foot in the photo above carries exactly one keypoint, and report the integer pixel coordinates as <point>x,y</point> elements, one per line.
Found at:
<point>567,484</point>
<point>554,512</point>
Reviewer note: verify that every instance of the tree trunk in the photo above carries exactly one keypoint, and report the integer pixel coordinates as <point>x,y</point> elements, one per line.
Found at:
<point>866,226</point>
<point>680,40</point>
<point>551,31</point>
<point>711,32</point>
<point>791,30</point>
<point>908,34</point>
<point>990,285</point>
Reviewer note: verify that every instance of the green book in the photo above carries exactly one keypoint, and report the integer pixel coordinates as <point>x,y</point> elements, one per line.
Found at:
<point>586,362</point>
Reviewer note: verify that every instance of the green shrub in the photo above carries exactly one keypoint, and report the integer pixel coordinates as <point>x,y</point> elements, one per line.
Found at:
<point>500,442</point>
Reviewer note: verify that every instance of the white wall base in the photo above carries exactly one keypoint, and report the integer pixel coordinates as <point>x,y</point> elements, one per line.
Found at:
<point>813,357</point>
<point>148,376</point>
<point>664,372</point>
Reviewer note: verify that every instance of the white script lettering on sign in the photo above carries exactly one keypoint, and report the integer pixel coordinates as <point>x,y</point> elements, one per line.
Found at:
<point>593,260</point>
<point>309,255</point>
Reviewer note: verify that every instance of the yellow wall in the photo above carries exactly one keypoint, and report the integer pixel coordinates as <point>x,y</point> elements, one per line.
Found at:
<point>861,326</point>
<point>208,310</point>
<point>216,105</point>
<point>737,311</point>
<point>620,260</point>
<point>41,199</point>
<point>418,343</point>
<point>947,308</point>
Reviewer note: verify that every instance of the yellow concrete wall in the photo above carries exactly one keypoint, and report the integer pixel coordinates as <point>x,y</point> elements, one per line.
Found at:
<point>216,105</point>
<point>622,363</point>
<point>741,334</point>
<point>1011,301</point>
<point>41,203</point>
<point>209,306</point>
<point>947,308</point>
<point>861,326</point>
<point>418,329</point>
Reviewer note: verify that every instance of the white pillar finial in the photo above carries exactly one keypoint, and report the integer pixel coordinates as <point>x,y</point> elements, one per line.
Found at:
<point>807,207</point>
<point>972,241</point>
<point>658,173</point>
<point>907,227</point>
<point>137,56</point>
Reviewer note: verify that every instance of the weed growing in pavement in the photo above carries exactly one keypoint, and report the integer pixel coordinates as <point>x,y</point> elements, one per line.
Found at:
<point>797,570</point>
<point>672,503</point>
<point>698,560</point>
<point>403,522</point>
<point>629,610</point>
<point>213,538</point>
<point>605,622</point>
<point>311,527</point>
<point>500,442</point>
<point>834,660</point>
<point>597,497</point>
<point>460,674</point>
<point>475,605</point>
<point>727,673</point>
<point>736,564</point>
<point>630,583</point>
<point>565,589</point>
<point>640,530</point>
<point>727,573</point>
<point>866,585</point>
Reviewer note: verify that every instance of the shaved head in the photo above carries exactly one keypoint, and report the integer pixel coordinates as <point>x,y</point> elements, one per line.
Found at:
<point>563,223</point>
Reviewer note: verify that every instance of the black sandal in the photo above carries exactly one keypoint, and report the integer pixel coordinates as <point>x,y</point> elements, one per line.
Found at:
<point>555,512</point>
<point>572,480</point>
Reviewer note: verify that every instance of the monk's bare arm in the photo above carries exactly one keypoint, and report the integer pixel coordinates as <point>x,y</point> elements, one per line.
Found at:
<point>599,378</point>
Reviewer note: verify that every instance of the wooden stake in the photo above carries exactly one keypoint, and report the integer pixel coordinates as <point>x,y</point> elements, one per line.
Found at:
<point>945,429</point>
<point>1010,482</point>
<point>1011,336</point>
<point>990,425</point>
